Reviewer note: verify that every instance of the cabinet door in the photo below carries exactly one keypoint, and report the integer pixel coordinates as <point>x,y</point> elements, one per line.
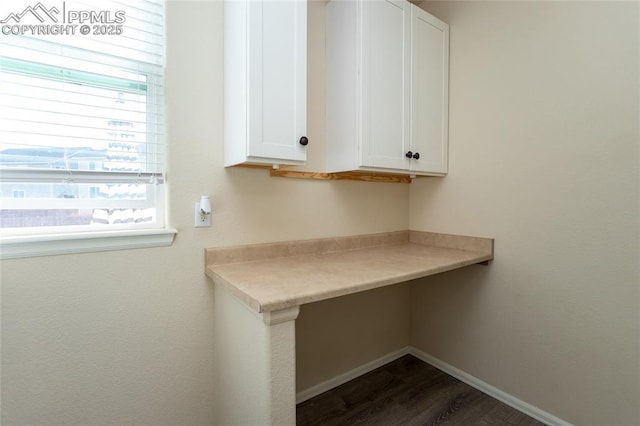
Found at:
<point>430,94</point>
<point>277,69</point>
<point>386,77</point>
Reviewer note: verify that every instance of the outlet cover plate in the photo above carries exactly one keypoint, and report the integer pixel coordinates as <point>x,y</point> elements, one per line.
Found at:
<point>201,220</point>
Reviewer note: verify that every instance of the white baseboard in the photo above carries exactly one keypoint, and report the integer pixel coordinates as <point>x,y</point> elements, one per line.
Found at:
<point>349,375</point>
<point>490,390</point>
<point>467,378</point>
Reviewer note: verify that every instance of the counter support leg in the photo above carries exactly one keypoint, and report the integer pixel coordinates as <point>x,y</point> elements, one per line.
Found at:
<point>255,363</point>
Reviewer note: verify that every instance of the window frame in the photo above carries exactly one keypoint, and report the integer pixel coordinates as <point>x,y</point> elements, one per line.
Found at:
<point>19,242</point>
<point>83,242</point>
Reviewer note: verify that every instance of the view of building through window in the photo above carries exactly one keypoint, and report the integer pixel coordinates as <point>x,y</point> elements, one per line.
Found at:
<point>81,116</point>
<point>104,130</point>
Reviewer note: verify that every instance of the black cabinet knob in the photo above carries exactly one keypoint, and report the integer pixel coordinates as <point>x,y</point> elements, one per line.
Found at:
<point>304,141</point>
<point>416,155</point>
<point>409,154</point>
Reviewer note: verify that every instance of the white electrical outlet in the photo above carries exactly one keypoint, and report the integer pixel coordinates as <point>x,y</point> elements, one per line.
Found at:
<point>202,220</point>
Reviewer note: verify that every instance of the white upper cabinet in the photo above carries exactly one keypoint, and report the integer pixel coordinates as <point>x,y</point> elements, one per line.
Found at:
<point>265,80</point>
<point>387,88</point>
<point>385,71</point>
<point>430,92</point>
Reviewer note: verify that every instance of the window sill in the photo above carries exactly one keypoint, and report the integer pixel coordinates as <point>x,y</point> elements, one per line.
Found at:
<point>86,242</point>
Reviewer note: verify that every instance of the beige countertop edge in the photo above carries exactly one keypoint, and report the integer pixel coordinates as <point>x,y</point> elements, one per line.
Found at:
<point>315,294</point>
<point>244,297</point>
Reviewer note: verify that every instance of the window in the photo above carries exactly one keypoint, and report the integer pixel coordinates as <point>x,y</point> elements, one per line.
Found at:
<point>81,119</point>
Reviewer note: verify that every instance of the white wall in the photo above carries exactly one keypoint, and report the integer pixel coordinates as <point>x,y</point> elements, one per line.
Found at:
<point>544,137</point>
<point>339,335</point>
<point>127,337</point>
<point>544,157</point>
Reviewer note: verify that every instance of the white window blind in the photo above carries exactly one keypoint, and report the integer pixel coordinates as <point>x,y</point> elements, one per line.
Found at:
<point>81,116</point>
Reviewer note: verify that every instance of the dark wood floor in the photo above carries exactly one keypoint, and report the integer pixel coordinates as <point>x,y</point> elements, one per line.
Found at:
<point>407,391</point>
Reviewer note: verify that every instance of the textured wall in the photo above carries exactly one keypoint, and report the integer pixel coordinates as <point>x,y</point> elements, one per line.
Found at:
<point>544,138</point>
<point>338,335</point>
<point>544,157</point>
<point>255,365</point>
<point>127,337</point>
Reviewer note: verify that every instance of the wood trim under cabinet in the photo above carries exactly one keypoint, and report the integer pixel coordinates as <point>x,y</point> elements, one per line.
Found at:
<point>361,176</point>
<point>279,171</point>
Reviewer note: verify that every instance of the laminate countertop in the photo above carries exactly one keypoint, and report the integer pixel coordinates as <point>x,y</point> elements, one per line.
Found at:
<point>274,276</point>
